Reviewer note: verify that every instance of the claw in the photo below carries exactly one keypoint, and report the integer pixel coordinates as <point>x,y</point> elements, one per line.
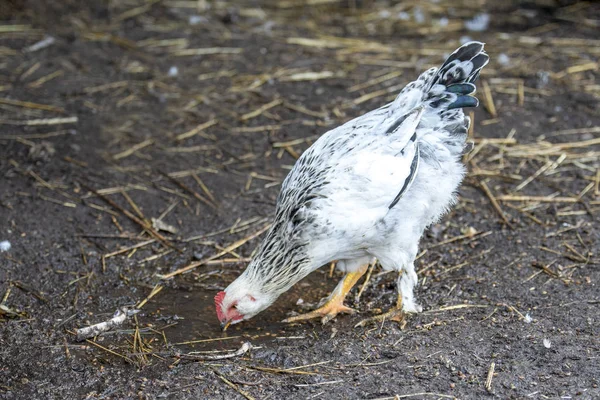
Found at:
<point>335,302</point>
<point>327,312</point>
<point>396,315</point>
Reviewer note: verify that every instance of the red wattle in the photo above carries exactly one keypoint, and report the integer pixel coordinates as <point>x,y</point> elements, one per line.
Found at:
<point>219,305</point>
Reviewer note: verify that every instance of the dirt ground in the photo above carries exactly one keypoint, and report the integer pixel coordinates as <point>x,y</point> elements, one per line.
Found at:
<point>117,114</point>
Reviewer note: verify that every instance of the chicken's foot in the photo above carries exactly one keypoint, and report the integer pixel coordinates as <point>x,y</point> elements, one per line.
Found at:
<point>395,314</point>
<point>334,304</point>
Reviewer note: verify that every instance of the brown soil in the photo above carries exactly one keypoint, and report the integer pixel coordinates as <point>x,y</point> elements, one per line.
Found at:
<point>509,284</point>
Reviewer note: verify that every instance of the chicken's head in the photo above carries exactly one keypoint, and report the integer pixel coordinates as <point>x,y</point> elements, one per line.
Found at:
<point>237,303</point>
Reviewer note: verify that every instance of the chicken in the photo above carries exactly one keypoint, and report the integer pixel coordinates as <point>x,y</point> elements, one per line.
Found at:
<point>363,191</point>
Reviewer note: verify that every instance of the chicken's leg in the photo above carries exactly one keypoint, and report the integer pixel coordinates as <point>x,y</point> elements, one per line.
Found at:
<point>407,279</point>
<point>366,282</point>
<point>335,302</point>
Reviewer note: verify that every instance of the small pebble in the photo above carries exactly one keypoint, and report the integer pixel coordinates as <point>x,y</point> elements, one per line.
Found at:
<point>503,59</point>
<point>543,78</point>
<point>42,44</point>
<point>419,15</point>
<point>403,16</point>
<point>479,23</point>
<point>197,19</point>
<point>5,246</point>
<point>173,71</point>
<point>547,343</point>
<point>384,14</point>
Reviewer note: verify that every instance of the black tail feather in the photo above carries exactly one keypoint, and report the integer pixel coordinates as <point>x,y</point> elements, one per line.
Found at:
<point>479,61</point>
<point>458,74</point>
<point>464,101</point>
<point>461,88</point>
<point>464,53</point>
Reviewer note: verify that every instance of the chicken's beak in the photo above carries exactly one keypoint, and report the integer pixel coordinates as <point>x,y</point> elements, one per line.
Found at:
<point>225,325</point>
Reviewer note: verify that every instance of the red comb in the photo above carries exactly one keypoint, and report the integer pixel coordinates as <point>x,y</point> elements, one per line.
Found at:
<point>218,303</point>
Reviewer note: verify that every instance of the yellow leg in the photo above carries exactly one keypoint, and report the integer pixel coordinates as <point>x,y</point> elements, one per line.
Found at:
<point>365,283</point>
<point>395,314</point>
<point>335,302</point>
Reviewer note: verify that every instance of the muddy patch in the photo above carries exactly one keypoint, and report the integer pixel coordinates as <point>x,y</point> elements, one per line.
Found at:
<point>197,326</point>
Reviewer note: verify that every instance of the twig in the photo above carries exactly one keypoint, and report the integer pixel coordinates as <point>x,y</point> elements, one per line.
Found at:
<point>28,104</point>
<point>208,51</point>
<point>133,149</point>
<point>196,130</point>
<point>226,250</point>
<point>234,386</point>
<point>461,237</point>
<point>281,371</point>
<point>147,227</point>
<point>494,202</point>
<point>490,376</point>
<point>405,396</point>
<point>261,110</point>
<point>55,201</point>
<point>488,100</point>
<point>153,293</point>
<point>42,121</point>
<point>136,11</point>
<point>365,283</point>
<point>247,346</point>
<point>375,81</point>
<point>207,340</point>
<point>133,205</point>
<point>39,82</point>
<point>189,190</point>
<point>550,165</point>
<point>204,188</point>
<point>114,353</point>
<point>26,289</point>
<point>456,307</point>
<point>542,199</point>
<point>319,383</point>
<point>94,330</point>
<point>126,249</point>
<point>7,293</point>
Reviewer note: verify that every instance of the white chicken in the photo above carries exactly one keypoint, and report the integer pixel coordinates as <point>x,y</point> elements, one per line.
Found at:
<point>366,190</point>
